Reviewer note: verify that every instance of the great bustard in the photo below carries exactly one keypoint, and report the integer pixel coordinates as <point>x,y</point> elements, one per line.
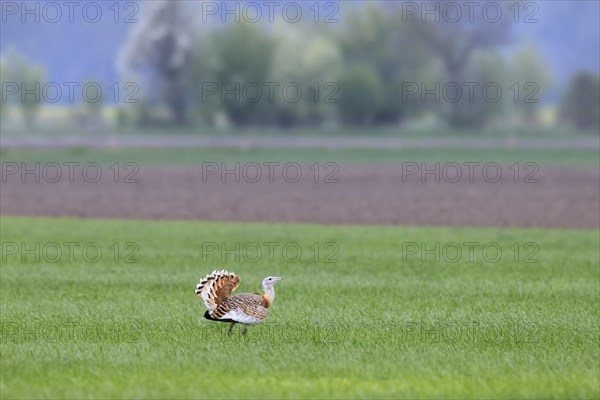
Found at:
<point>245,308</point>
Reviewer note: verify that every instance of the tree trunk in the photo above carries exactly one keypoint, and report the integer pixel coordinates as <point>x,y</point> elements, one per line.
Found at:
<point>176,98</point>
<point>457,117</point>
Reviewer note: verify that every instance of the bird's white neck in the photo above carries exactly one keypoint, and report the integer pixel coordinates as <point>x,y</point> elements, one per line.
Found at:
<point>269,292</point>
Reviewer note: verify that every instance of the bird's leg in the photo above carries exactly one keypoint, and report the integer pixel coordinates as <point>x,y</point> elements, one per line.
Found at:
<point>230,328</point>
<point>245,331</point>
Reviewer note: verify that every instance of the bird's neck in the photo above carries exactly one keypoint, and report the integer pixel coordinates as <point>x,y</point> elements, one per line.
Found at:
<point>269,294</point>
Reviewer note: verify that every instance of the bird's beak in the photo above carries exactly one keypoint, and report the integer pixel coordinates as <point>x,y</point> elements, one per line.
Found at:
<point>278,279</point>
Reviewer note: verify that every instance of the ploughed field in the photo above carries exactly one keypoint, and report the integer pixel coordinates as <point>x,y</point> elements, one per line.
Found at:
<point>556,188</point>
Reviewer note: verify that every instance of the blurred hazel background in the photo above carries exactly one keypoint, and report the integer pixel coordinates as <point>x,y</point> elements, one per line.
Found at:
<point>492,68</point>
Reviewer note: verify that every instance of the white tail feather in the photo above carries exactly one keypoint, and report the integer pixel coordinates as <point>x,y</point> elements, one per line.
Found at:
<point>211,287</point>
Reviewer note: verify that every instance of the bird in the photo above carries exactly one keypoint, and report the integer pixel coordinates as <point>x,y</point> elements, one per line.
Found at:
<point>216,290</point>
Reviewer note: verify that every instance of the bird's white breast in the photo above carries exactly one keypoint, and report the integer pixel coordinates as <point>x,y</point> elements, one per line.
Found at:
<point>241,317</point>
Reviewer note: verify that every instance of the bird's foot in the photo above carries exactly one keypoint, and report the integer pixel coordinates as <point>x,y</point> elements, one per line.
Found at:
<point>230,330</point>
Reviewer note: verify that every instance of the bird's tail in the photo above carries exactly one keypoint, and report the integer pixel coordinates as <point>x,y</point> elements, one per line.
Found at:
<point>216,287</point>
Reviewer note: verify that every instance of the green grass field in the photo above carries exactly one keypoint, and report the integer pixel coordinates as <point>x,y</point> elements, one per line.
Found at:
<point>414,131</point>
<point>195,156</point>
<point>381,322</point>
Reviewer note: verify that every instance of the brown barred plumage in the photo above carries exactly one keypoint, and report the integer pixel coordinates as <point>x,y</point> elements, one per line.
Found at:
<point>246,308</point>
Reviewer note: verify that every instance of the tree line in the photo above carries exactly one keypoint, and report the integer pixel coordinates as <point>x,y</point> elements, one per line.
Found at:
<point>370,69</point>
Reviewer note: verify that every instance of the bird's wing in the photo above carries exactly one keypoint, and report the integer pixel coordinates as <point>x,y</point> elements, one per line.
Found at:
<point>246,308</point>
<point>216,287</point>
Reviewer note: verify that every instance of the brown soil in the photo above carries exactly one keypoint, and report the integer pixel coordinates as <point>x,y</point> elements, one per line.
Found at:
<point>365,194</point>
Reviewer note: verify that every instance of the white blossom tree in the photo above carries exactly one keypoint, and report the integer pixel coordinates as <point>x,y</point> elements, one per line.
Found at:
<point>160,44</point>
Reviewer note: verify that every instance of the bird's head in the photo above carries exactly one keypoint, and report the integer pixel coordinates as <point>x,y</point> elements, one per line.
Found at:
<point>270,281</point>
